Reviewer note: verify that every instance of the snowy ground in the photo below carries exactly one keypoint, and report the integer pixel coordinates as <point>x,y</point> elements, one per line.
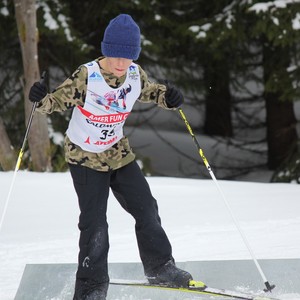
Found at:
<point>40,225</point>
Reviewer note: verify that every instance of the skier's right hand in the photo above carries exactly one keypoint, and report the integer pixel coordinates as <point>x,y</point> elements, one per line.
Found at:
<point>173,96</point>
<point>37,92</point>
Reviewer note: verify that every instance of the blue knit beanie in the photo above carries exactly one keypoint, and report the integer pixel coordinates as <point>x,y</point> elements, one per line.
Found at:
<point>122,38</point>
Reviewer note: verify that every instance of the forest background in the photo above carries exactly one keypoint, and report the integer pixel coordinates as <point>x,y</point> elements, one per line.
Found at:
<point>236,62</point>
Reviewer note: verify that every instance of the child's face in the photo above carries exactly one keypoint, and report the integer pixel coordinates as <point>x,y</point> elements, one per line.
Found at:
<point>118,66</point>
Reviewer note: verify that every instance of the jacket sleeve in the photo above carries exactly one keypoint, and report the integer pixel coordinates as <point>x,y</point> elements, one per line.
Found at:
<point>152,92</point>
<point>69,94</point>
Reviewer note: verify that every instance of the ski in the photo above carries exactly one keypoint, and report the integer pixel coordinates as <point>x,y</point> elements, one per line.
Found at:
<point>197,287</point>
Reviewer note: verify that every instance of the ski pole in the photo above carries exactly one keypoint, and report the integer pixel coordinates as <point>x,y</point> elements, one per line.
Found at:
<point>269,287</point>
<point>19,160</point>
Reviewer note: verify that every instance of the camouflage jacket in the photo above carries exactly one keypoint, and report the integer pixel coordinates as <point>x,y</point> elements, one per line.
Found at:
<point>71,93</point>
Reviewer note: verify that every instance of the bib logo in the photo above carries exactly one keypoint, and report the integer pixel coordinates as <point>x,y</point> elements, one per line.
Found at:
<point>132,73</point>
<point>95,77</point>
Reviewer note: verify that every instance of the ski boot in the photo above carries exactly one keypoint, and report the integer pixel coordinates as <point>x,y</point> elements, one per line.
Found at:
<point>88,289</point>
<point>170,275</point>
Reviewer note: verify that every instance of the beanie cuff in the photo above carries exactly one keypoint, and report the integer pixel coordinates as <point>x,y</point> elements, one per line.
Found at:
<point>123,51</point>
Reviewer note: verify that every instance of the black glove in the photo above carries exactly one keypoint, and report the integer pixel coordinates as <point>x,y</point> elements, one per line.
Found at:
<point>173,96</point>
<point>37,92</point>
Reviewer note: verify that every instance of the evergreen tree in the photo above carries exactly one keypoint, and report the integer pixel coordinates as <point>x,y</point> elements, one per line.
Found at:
<point>249,36</point>
<point>214,51</point>
<point>277,30</point>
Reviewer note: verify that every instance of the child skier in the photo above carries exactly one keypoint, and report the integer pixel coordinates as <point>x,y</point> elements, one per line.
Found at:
<point>100,158</point>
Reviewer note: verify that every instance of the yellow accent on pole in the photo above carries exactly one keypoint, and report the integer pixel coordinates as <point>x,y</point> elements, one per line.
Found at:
<point>188,126</point>
<point>19,159</point>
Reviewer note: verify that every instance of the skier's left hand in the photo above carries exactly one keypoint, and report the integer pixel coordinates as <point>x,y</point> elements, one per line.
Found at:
<point>173,97</point>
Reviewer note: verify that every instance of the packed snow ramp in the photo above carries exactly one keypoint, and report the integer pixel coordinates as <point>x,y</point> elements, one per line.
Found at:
<point>56,281</point>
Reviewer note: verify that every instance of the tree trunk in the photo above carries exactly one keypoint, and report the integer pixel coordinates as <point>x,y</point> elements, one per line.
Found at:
<point>39,143</point>
<point>281,121</point>
<point>281,130</point>
<point>7,155</point>
<point>217,99</point>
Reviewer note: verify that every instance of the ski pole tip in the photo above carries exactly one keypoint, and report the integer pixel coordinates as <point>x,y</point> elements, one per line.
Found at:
<point>269,287</point>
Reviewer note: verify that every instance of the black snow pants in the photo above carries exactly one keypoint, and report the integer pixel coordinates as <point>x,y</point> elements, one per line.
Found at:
<point>132,191</point>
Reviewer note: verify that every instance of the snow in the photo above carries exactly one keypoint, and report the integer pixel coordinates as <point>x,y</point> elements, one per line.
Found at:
<point>265,6</point>
<point>4,11</point>
<point>296,22</point>
<point>261,7</point>
<point>278,4</point>
<point>52,24</point>
<point>201,30</point>
<point>40,224</point>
